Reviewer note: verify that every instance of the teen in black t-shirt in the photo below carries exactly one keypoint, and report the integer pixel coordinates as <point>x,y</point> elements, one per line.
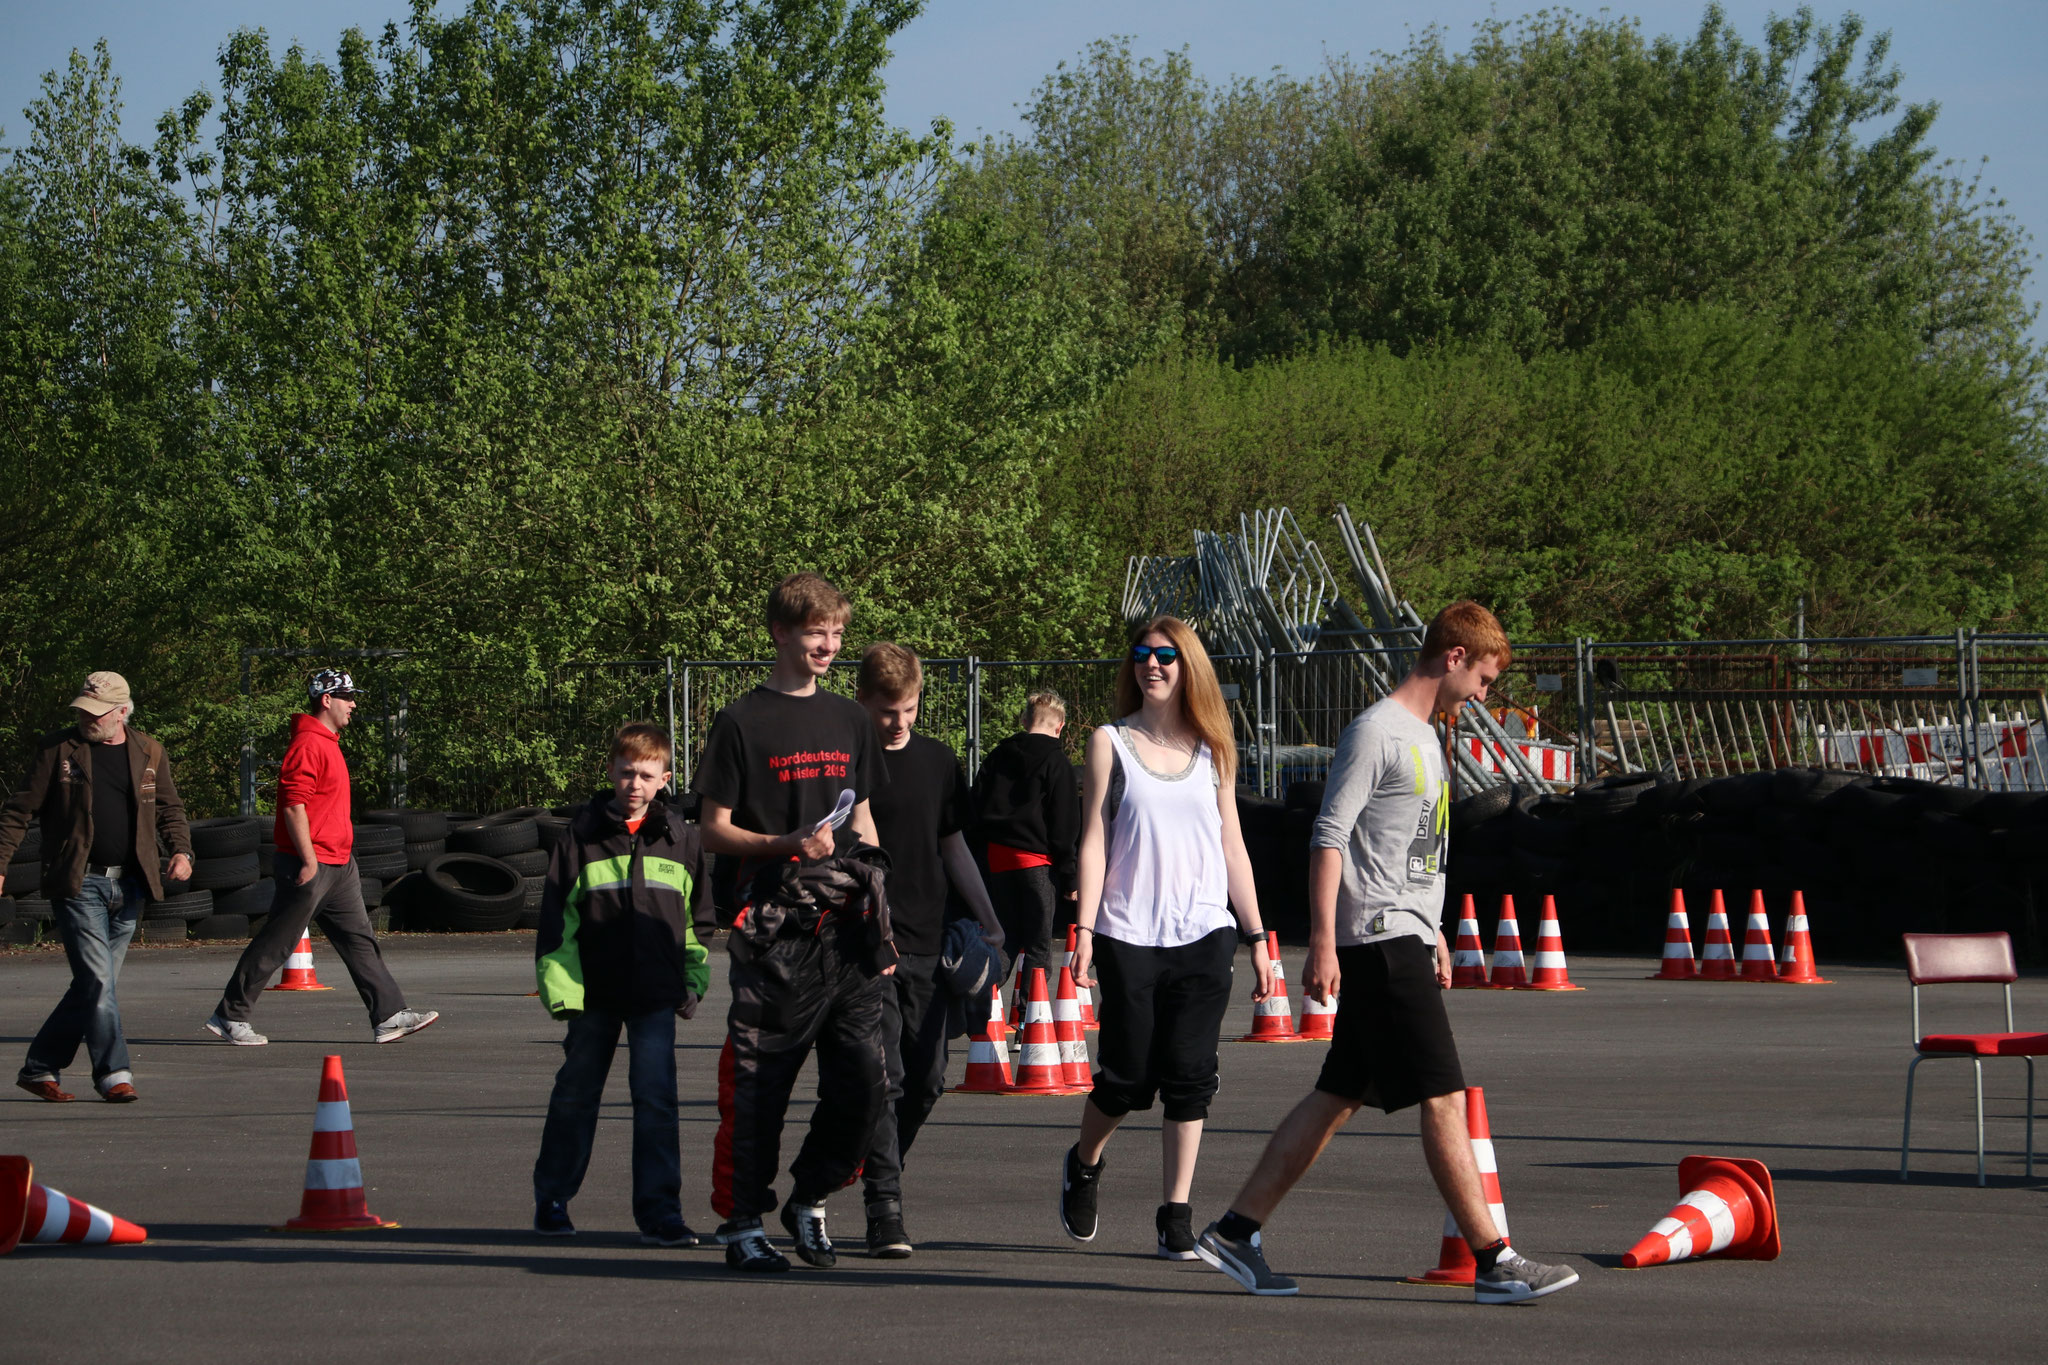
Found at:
<point>773,768</point>
<point>919,816</point>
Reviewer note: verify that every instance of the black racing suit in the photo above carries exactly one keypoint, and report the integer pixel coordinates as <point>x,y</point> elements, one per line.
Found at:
<point>807,948</point>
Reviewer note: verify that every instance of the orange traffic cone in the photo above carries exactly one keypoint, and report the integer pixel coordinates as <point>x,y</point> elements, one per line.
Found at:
<point>1717,953</point>
<point>1318,1018</point>
<point>1086,993</point>
<point>1759,963</point>
<point>1678,963</point>
<point>1468,958</point>
<point>298,968</point>
<point>995,1009</point>
<point>1551,973</point>
<point>333,1201</point>
<point>35,1213</point>
<point>988,1056</point>
<point>1729,1210</point>
<point>1454,1263</point>
<point>1273,1017</point>
<point>1798,968</point>
<point>1066,1027</point>
<point>1039,1069</point>
<point>1509,971</point>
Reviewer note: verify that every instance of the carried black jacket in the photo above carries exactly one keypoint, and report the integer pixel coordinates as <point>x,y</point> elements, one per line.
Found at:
<point>615,916</point>
<point>1025,797</point>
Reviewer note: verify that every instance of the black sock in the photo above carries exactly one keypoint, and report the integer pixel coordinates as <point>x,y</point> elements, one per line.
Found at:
<point>1236,1226</point>
<point>1487,1255</point>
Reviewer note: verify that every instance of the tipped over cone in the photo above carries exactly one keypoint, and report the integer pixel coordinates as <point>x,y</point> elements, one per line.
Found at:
<point>1729,1210</point>
<point>36,1214</point>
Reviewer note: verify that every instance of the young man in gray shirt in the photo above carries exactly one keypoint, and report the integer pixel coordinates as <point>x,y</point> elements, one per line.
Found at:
<point>1376,900</point>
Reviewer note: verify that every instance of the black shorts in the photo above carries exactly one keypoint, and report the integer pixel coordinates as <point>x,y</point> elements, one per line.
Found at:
<point>1391,1045</point>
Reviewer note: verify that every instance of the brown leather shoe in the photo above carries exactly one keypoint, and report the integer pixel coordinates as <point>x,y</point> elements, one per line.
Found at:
<point>122,1093</point>
<point>46,1090</point>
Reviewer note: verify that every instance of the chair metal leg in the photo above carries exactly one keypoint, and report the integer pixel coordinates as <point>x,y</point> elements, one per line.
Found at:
<point>2030,1116</point>
<point>1906,1137</point>
<point>1977,1065</point>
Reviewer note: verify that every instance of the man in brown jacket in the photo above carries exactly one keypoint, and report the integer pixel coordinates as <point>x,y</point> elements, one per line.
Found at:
<point>106,799</point>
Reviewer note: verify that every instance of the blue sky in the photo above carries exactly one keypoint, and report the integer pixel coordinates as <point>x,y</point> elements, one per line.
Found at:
<point>975,61</point>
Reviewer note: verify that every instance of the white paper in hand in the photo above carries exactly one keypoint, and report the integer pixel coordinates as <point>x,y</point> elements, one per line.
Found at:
<point>842,811</point>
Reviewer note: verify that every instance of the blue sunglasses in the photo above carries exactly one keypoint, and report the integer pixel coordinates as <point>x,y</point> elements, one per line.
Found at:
<point>1165,654</point>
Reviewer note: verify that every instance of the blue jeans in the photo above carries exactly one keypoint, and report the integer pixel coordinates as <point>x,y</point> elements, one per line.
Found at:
<point>97,924</point>
<point>571,1128</point>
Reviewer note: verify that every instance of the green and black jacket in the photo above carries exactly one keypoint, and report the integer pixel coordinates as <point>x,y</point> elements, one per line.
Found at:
<point>615,931</point>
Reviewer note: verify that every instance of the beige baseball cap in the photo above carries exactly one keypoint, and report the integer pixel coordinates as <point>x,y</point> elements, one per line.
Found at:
<point>102,693</point>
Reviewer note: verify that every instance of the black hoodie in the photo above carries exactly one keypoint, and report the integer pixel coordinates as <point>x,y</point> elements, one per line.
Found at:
<point>1025,797</point>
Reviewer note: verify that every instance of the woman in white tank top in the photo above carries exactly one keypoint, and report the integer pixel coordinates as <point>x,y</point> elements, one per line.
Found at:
<point>1166,896</point>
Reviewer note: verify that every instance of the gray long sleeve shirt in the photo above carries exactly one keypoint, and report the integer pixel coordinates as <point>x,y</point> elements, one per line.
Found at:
<point>1387,809</point>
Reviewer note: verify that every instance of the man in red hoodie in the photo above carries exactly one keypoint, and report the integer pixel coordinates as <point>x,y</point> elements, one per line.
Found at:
<point>316,876</point>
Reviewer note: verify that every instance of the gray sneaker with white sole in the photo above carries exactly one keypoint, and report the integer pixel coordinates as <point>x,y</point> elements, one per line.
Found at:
<point>234,1031</point>
<point>1516,1279</point>
<point>403,1023</point>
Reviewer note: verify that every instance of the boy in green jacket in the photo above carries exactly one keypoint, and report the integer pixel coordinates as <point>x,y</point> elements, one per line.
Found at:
<point>617,950</point>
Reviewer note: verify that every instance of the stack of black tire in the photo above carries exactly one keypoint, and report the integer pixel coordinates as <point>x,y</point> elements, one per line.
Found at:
<point>488,878</point>
<point>24,912</point>
<point>226,893</point>
<point>1872,857</point>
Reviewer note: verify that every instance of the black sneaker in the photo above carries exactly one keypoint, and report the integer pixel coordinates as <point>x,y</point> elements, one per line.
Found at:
<point>886,1238</point>
<point>1078,1188</point>
<point>674,1232</point>
<point>748,1249</point>
<point>1176,1224</point>
<point>805,1224</point>
<point>552,1219</point>
<point>1516,1279</point>
<point>1243,1261</point>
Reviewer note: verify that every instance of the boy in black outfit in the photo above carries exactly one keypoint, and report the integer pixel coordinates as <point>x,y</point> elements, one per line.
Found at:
<point>919,816</point>
<point>775,768</point>
<point>617,951</point>
<point>1028,810</point>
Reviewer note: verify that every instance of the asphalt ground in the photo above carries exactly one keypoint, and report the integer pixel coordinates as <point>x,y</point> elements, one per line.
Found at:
<point>1594,1097</point>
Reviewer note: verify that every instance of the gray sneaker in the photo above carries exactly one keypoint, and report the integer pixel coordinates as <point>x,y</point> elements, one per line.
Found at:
<point>404,1022</point>
<point>1515,1277</point>
<point>234,1031</point>
<point>1244,1262</point>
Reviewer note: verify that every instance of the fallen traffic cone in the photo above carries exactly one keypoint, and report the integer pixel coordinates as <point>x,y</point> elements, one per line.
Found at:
<point>333,1201</point>
<point>988,1056</point>
<point>37,1214</point>
<point>1717,953</point>
<point>1066,1027</point>
<point>1468,959</point>
<point>1318,1018</point>
<point>1509,971</point>
<point>1273,1018</point>
<point>1086,993</point>
<point>1759,963</point>
<point>1678,963</point>
<point>1797,967</point>
<point>1551,973</point>
<point>1039,1068</point>
<point>298,968</point>
<point>1729,1210</point>
<point>1454,1263</point>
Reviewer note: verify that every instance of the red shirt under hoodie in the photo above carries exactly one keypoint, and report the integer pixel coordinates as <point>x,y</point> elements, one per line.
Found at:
<point>315,776</point>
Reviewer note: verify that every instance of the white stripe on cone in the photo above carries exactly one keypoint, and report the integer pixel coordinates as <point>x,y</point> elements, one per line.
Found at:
<point>331,1116</point>
<point>334,1173</point>
<point>1719,1218</point>
<point>988,1052</point>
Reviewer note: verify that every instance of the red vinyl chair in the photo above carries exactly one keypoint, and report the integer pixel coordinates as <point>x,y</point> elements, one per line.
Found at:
<point>1962,959</point>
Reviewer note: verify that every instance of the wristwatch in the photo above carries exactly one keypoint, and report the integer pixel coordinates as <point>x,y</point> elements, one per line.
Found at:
<point>1251,938</point>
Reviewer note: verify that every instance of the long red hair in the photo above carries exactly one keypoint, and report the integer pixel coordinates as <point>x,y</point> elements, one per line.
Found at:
<point>1201,696</point>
